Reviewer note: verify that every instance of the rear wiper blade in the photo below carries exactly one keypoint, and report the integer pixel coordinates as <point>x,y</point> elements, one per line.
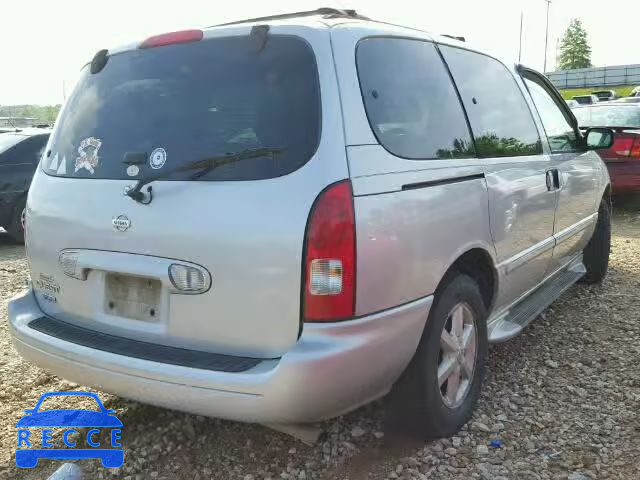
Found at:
<point>203,166</point>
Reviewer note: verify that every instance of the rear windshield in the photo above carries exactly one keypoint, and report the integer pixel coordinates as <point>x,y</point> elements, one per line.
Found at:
<point>608,116</point>
<point>157,109</point>
<point>8,140</point>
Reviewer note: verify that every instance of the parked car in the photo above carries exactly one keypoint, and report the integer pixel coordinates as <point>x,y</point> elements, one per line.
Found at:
<point>224,240</point>
<point>623,158</point>
<point>586,99</point>
<point>605,95</point>
<point>20,151</point>
<point>635,92</point>
<point>572,103</point>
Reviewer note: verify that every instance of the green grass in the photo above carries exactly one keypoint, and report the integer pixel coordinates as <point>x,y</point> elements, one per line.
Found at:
<point>572,92</point>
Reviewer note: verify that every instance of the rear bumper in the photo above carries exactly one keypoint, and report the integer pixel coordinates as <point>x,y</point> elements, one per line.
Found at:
<point>333,368</point>
<point>625,176</point>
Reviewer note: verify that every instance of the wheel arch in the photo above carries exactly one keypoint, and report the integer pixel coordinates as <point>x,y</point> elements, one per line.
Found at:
<point>478,264</point>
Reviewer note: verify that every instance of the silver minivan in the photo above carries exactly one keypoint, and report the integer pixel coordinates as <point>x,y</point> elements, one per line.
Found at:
<point>282,219</point>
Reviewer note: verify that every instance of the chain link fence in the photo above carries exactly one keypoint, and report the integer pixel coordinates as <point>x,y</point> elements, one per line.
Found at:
<point>596,77</point>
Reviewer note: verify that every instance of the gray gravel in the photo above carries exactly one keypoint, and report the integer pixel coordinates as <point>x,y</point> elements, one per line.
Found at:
<point>562,399</point>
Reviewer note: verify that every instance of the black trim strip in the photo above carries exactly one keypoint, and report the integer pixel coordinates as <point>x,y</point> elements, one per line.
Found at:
<point>143,350</point>
<point>445,181</point>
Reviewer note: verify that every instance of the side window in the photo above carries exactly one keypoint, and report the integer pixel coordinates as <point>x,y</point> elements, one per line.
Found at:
<point>562,136</point>
<point>500,118</point>
<point>410,101</point>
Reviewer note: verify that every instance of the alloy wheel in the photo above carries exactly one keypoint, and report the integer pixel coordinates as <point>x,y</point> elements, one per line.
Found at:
<point>458,352</point>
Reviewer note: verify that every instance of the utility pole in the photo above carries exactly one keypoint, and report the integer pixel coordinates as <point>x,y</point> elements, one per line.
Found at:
<point>546,38</point>
<point>520,47</point>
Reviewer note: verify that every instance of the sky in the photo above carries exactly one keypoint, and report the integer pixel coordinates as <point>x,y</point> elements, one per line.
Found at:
<point>44,43</point>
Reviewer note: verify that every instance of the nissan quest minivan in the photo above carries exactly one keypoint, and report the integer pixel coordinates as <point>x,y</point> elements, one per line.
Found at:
<point>281,219</point>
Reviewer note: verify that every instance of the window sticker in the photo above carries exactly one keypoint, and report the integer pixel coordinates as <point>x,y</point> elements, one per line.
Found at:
<point>54,163</point>
<point>133,170</point>
<point>158,158</point>
<point>88,158</point>
<point>62,168</point>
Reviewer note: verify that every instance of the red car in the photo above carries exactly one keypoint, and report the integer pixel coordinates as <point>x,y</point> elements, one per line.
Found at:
<point>623,158</point>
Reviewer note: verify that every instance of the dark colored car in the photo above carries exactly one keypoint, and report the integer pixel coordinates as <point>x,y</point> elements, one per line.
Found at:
<point>586,99</point>
<point>623,158</point>
<point>20,152</point>
<point>605,95</point>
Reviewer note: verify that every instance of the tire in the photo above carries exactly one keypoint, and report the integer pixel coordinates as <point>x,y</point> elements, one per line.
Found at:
<point>14,229</point>
<point>596,253</point>
<point>417,403</point>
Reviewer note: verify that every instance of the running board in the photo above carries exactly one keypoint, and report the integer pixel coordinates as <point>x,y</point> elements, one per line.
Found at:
<point>518,317</point>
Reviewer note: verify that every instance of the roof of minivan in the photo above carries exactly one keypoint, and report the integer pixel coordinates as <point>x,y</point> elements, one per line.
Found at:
<point>320,19</point>
<point>372,26</point>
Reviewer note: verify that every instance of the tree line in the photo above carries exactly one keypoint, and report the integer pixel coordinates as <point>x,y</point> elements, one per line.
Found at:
<point>44,114</point>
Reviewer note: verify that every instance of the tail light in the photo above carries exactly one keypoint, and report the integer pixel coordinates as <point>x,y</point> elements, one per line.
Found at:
<point>188,279</point>
<point>171,38</point>
<point>627,146</point>
<point>635,149</point>
<point>330,256</point>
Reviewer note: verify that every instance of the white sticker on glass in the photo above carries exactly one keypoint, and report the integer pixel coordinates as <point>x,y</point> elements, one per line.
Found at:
<point>62,168</point>
<point>158,158</point>
<point>133,170</point>
<point>54,163</point>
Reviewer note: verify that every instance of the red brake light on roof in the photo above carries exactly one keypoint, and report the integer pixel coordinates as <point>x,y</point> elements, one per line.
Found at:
<point>330,259</point>
<point>171,38</point>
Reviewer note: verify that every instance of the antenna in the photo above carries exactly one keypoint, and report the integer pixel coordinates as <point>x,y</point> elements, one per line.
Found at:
<point>546,38</point>
<point>520,47</point>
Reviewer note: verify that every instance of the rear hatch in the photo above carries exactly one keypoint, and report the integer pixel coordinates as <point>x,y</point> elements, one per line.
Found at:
<point>226,131</point>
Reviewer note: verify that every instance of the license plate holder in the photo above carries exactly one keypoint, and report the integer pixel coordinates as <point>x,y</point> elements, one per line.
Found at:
<point>132,297</point>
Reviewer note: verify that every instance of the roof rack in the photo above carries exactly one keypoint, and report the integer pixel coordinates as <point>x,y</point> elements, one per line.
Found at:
<point>462,39</point>
<point>326,12</point>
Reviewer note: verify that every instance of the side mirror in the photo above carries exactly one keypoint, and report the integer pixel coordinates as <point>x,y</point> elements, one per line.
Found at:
<point>599,138</point>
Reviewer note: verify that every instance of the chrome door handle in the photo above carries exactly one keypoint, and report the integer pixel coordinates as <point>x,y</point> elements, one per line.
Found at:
<point>553,179</point>
<point>549,179</point>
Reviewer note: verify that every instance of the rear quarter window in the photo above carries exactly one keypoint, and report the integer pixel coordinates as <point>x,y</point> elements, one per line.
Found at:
<point>410,101</point>
<point>500,118</point>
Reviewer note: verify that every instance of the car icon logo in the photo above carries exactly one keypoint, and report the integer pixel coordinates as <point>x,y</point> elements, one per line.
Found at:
<point>69,419</point>
<point>121,223</point>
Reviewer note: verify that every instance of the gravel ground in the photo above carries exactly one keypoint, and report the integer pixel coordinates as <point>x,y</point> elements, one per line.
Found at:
<point>563,399</point>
